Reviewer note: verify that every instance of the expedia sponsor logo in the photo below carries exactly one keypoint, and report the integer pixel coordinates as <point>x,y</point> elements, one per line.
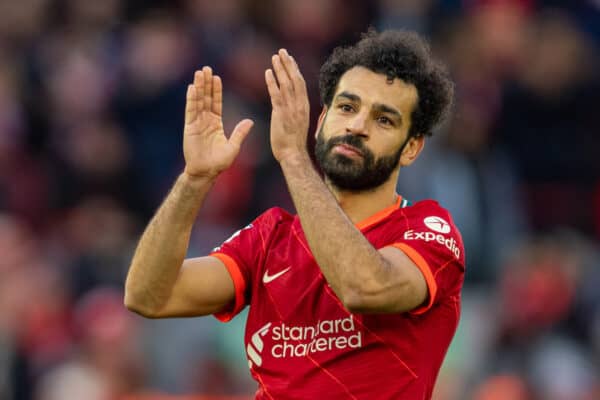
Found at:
<point>437,224</point>
<point>449,242</point>
<point>299,341</point>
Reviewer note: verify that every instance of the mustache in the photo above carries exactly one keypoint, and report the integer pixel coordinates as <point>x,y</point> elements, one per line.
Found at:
<point>351,140</point>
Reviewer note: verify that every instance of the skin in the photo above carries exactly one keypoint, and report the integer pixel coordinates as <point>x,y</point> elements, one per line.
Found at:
<point>161,283</point>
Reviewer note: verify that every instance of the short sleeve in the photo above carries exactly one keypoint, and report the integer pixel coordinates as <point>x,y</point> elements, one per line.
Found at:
<point>241,254</point>
<point>432,241</point>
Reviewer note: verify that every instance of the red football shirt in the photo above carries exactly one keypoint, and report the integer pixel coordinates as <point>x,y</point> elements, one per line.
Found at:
<point>301,343</point>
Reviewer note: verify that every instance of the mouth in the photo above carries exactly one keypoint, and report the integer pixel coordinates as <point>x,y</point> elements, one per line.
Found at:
<point>347,150</point>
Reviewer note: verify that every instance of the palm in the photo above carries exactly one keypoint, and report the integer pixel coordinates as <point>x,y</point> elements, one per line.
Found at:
<point>206,149</point>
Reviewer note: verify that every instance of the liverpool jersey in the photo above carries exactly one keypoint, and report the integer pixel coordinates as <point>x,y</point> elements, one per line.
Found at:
<point>302,343</point>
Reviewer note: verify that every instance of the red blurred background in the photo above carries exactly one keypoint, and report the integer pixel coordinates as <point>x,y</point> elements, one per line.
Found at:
<point>91,107</point>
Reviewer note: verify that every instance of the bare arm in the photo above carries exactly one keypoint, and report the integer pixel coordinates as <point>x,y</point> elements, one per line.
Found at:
<point>160,283</point>
<point>365,279</point>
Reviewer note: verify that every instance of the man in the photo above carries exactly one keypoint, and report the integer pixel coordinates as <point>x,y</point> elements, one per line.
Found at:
<point>356,297</point>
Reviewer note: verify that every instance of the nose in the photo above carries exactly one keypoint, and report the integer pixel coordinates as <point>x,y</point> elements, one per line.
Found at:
<point>357,125</point>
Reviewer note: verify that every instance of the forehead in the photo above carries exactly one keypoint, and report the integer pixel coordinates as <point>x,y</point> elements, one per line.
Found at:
<point>372,87</point>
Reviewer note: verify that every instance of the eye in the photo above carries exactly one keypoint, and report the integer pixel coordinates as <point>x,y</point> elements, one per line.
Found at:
<point>385,121</point>
<point>346,108</point>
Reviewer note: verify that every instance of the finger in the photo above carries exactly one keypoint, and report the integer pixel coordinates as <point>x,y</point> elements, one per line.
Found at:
<point>240,132</point>
<point>217,100</point>
<point>207,71</point>
<point>191,110</point>
<point>199,89</point>
<point>198,78</point>
<point>296,75</point>
<point>290,68</point>
<point>272,88</point>
<point>285,86</point>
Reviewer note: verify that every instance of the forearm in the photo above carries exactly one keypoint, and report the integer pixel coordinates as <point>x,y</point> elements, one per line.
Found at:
<point>351,265</point>
<point>163,245</point>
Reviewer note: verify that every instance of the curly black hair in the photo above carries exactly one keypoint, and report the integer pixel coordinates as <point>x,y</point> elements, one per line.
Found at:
<point>397,54</point>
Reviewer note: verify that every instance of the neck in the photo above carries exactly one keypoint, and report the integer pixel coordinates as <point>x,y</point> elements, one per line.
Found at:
<point>360,205</point>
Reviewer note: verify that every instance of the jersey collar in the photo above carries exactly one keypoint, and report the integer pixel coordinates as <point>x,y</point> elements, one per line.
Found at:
<point>380,215</point>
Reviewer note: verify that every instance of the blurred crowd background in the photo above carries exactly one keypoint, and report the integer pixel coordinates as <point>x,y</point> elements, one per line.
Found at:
<point>91,112</point>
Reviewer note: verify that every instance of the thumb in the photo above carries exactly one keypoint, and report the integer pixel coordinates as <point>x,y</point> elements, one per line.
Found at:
<point>240,132</point>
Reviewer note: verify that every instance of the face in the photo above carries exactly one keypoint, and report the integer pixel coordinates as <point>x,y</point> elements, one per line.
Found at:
<point>360,140</point>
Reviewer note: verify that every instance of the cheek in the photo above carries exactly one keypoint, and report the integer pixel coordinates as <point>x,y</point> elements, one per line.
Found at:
<point>336,117</point>
<point>330,121</point>
<point>328,128</point>
<point>388,144</point>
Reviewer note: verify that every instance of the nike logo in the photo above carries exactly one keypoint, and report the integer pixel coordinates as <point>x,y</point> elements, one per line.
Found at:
<point>269,278</point>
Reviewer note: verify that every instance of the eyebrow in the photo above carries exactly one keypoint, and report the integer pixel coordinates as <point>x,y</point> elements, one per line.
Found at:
<point>388,110</point>
<point>383,108</point>
<point>349,96</point>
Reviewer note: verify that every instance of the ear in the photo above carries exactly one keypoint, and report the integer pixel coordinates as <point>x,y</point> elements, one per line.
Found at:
<point>412,150</point>
<point>320,120</point>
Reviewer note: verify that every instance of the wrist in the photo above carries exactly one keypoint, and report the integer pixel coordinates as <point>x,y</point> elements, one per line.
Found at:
<point>296,159</point>
<point>197,181</point>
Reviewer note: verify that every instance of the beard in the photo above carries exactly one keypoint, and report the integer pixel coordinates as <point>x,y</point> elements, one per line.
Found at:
<point>350,174</point>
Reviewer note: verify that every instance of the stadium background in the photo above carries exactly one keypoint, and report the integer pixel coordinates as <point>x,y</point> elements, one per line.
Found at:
<point>91,107</point>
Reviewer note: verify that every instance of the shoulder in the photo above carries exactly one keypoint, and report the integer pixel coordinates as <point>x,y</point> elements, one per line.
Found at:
<point>426,216</point>
<point>273,216</point>
<point>271,220</point>
<point>430,212</point>
<point>428,224</point>
<point>427,205</point>
<point>257,231</point>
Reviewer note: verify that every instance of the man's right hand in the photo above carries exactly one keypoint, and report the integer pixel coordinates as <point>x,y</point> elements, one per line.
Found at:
<point>206,149</point>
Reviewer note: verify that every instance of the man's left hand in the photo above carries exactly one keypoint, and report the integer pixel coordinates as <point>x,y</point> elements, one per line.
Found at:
<point>291,110</point>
